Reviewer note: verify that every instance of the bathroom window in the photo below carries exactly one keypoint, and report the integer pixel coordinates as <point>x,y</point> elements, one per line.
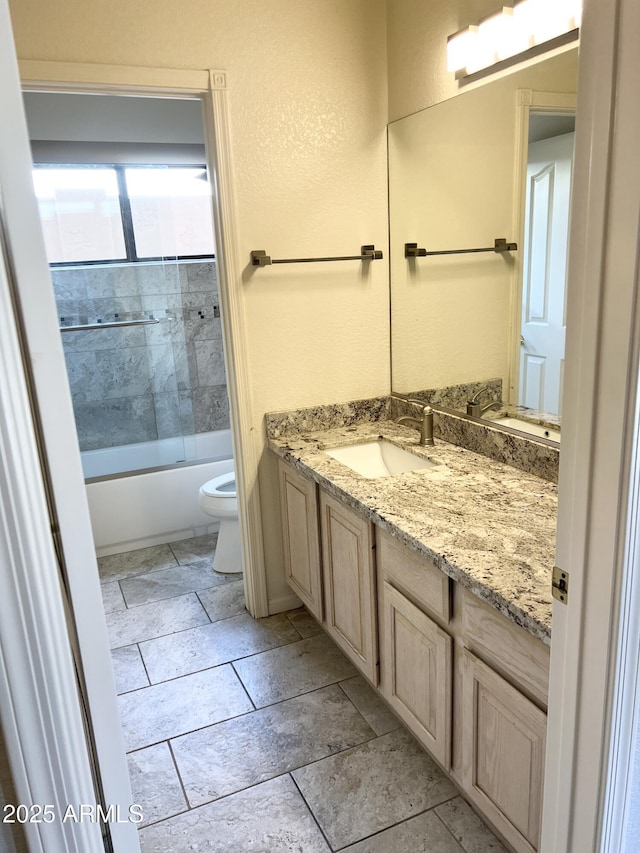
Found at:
<point>118,213</point>
<point>170,211</point>
<point>80,214</point>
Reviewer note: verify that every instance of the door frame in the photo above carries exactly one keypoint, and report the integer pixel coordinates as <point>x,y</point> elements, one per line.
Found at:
<point>592,646</point>
<point>528,102</point>
<point>211,87</point>
<point>48,729</point>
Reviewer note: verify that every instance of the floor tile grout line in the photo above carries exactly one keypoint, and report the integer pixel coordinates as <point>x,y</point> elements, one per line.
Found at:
<point>150,571</point>
<point>204,625</point>
<point>278,775</point>
<point>400,823</point>
<point>358,711</point>
<point>213,666</point>
<point>124,600</point>
<point>342,751</point>
<point>177,677</point>
<point>182,630</point>
<point>171,633</point>
<point>135,574</point>
<point>175,595</point>
<point>295,628</point>
<point>161,820</point>
<point>190,592</point>
<point>219,800</point>
<point>282,645</point>
<point>171,544</point>
<point>380,698</point>
<point>175,764</point>
<point>311,812</point>
<point>218,582</point>
<point>447,827</point>
<point>190,732</point>
<point>246,714</point>
<point>244,687</point>
<point>137,645</point>
<point>232,662</point>
<point>289,773</point>
<point>295,696</point>
<point>196,591</point>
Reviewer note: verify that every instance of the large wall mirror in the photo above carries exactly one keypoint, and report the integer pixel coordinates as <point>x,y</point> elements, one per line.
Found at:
<point>490,163</point>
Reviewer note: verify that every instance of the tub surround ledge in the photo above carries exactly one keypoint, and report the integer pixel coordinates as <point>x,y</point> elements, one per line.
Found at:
<point>485,524</point>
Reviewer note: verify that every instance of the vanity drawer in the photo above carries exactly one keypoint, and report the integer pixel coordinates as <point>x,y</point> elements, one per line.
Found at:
<point>414,576</point>
<point>521,658</point>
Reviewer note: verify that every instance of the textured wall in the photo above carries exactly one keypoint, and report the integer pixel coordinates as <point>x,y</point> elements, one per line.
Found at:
<point>142,383</point>
<point>417,49</point>
<point>308,109</point>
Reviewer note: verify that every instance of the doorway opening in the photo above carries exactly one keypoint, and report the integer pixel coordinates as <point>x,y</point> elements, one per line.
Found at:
<point>126,210</point>
<point>546,225</point>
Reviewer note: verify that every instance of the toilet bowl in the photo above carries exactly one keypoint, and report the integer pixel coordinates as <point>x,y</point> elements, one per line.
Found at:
<point>218,498</point>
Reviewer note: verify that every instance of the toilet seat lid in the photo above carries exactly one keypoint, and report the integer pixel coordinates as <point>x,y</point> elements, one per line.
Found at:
<point>224,485</point>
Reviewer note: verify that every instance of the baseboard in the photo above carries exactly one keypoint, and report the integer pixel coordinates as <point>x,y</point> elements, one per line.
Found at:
<point>150,541</point>
<point>285,602</point>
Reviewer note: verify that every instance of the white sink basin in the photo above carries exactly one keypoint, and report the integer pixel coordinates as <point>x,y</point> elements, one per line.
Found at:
<point>379,459</point>
<point>527,426</point>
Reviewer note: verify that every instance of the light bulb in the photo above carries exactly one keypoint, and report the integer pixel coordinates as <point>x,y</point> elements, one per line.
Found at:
<point>460,47</point>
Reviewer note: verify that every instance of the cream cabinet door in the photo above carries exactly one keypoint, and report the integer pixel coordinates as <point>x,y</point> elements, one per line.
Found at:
<point>301,541</point>
<point>416,672</point>
<point>349,583</point>
<point>503,744</point>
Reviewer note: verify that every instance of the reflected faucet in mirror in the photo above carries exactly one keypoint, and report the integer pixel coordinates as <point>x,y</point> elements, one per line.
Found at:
<point>477,409</point>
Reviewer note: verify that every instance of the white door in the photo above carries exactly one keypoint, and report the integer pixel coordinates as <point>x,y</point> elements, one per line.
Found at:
<point>545,264</point>
<point>57,697</point>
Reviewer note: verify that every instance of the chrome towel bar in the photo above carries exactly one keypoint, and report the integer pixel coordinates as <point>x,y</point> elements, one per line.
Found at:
<point>113,325</point>
<point>259,257</point>
<point>411,250</point>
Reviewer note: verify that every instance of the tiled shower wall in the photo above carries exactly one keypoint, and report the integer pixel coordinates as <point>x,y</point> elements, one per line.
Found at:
<point>141,383</point>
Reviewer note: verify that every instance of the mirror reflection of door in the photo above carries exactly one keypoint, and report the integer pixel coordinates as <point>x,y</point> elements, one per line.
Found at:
<point>549,168</point>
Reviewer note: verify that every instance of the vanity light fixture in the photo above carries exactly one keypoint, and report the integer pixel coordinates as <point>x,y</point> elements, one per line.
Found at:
<point>512,30</point>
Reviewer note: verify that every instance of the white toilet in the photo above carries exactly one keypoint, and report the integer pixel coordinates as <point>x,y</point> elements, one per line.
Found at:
<point>219,499</point>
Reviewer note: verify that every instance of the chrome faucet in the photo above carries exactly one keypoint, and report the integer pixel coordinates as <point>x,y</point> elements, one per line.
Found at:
<point>424,424</point>
<point>476,409</point>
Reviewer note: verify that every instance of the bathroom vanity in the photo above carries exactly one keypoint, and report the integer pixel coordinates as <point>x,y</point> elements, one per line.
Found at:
<point>437,584</point>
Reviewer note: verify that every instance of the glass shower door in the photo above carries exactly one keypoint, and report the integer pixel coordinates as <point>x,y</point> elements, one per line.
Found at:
<point>122,241</point>
<point>117,325</point>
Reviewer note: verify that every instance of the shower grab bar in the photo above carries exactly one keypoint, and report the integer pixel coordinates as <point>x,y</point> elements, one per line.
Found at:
<point>411,250</point>
<point>112,325</point>
<point>259,257</point>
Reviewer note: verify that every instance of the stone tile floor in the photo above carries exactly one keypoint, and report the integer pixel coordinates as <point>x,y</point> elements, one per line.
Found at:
<point>249,736</point>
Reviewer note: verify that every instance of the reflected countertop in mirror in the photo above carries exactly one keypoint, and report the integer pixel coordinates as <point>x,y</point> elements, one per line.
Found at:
<point>457,180</point>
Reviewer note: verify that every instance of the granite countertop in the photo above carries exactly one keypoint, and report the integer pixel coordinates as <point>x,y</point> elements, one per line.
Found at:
<point>488,526</point>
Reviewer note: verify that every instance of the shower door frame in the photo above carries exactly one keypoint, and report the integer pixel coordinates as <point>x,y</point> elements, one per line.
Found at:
<point>210,87</point>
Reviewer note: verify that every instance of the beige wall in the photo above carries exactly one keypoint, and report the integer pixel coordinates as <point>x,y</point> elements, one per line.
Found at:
<point>308,110</point>
<point>417,49</point>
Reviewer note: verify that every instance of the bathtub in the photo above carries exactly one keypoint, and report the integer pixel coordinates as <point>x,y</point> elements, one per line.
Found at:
<point>158,502</point>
